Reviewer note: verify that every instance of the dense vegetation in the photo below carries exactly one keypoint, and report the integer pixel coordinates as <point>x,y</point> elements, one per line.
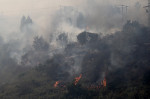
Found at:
<point>123,58</point>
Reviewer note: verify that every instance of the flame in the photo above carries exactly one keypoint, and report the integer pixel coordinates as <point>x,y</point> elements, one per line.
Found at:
<point>77,79</point>
<point>56,84</point>
<point>104,83</point>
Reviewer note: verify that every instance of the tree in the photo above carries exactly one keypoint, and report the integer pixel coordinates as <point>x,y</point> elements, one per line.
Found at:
<point>40,44</point>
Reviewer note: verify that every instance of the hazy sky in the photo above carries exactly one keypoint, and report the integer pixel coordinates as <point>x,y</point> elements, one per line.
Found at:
<point>12,7</point>
<point>42,11</point>
<point>15,7</point>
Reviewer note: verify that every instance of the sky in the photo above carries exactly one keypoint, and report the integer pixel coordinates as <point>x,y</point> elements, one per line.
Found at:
<point>42,11</point>
<point>9,7</point>
<point>15,7</point>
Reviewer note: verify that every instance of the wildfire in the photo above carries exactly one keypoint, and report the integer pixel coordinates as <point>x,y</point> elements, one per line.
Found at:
<point>56,84</point>
<point>77,79</point>
<point>104,83</point>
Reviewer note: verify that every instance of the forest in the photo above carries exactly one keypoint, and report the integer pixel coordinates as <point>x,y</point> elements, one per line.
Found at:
<point>114,66</point>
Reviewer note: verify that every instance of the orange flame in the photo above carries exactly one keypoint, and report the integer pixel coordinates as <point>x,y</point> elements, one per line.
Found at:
<point>77,79</point>
<point>104,83</point>
<point>56,84</point>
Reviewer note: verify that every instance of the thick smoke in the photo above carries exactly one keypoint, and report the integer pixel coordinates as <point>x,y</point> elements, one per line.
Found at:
<point>63,42</point>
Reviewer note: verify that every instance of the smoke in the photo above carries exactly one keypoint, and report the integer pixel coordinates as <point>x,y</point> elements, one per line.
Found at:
<point>106,16</point>
<point>72,16</point>
<point>103,16</point>
<point>57,27</point>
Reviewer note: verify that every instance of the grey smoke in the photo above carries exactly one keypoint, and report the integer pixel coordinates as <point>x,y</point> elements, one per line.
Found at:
<point>66,23</point>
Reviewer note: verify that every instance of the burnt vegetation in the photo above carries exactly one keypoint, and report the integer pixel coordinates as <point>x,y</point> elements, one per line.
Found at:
<point>123,58</point>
